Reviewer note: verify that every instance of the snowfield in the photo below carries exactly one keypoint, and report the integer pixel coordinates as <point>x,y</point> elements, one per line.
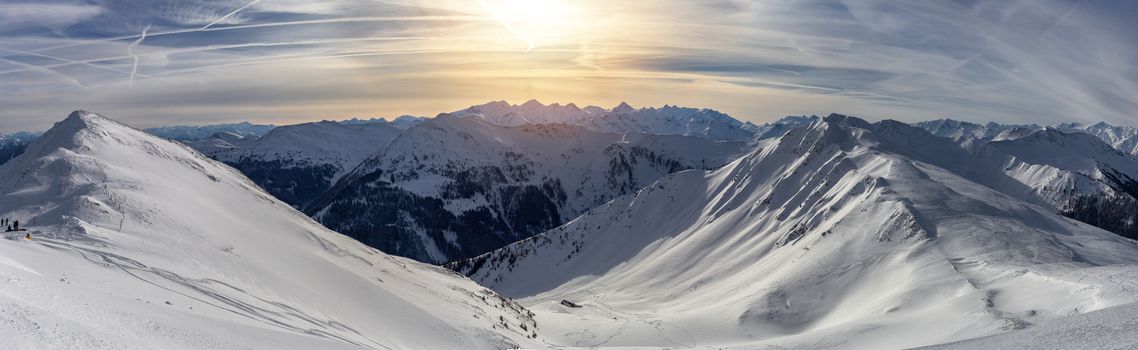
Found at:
<point>830,236</point>
<point>142,243</point>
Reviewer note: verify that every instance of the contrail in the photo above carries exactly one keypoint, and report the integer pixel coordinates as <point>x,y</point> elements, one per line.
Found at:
<point>90,62</point>
<point>277,24</point>
<point>45,70</point>
<point>69,62</point>
<point>130,51</point>
<point>505,24</point>
<point>251,3</point>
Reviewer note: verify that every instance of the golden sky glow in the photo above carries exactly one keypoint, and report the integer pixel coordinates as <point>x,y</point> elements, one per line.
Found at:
<point>292,60</point>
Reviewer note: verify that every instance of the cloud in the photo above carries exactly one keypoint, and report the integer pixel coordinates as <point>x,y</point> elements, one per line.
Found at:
<point>1015,61</point>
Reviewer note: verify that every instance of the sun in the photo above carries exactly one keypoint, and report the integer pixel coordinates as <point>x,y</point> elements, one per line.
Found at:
<point>536,22</point>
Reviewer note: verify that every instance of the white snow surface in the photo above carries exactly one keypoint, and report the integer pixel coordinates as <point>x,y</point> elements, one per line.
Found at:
<point>835,235</point>
<point>1113,328</point>
<point>340,145</point>
<point>142,243</point>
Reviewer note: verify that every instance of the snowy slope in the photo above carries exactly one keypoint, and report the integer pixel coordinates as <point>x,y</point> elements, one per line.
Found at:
<point>834,235</point>
<point>1113,328</point>
<point>457,187</point>
<point>142,243</point>
<point>296,163</point>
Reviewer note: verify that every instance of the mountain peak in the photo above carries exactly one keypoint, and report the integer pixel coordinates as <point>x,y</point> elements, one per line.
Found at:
<point>623,107</point>
<point>80,119</point>
<point>533,103</point>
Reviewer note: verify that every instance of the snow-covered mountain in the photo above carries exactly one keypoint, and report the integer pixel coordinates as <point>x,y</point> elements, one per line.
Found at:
<point>668,120</point>
<point>403,122</point>
<point>456,187</point>
<point>193,133</point>
<point>11,145</point>
<point>1074,173</point>
<point>841,234</point>
<point>672,120</point>
<point>220,142</point>
<point>781,126</point>
<point>140,243</point>
<point>531,112</point>
<point>296,163</point>
<point>1123,138</point>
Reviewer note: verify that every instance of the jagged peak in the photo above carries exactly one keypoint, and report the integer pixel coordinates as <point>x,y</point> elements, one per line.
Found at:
<point>623,107</point>
<point>842,119</point>
<point>533,103</point>
<point>80,119</point>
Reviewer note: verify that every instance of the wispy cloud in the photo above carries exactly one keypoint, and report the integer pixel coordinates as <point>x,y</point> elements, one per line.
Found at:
<point>1016,61</point>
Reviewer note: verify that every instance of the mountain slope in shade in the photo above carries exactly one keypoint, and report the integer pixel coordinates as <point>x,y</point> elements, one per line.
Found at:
<point>833,235</point>
<point>141,243</point>
<point>13,145</point>
<point>457,187</point>
<point>296,163</point>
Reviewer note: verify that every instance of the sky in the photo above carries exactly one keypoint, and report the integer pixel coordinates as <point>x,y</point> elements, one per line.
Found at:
<point>165,62</point>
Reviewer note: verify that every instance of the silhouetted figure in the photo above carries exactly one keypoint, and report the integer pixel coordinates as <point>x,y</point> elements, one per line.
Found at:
<point>16,225</point>
<point>9,229</point>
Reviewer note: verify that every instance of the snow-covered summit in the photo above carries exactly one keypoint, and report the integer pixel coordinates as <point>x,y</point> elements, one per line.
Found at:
<point>139,242</point>
<point>838,234</point>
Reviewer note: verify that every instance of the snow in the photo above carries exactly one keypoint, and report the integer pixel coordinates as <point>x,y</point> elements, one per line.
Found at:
<point>667,120</point>
<point>340,145</point>
<point>841,234</point>
<point>193,133</point>
<point>1122,138</point>
<point>403,122</point>
<point>1111,328</point>
<point>577,168</point>
<point>138,242</point>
